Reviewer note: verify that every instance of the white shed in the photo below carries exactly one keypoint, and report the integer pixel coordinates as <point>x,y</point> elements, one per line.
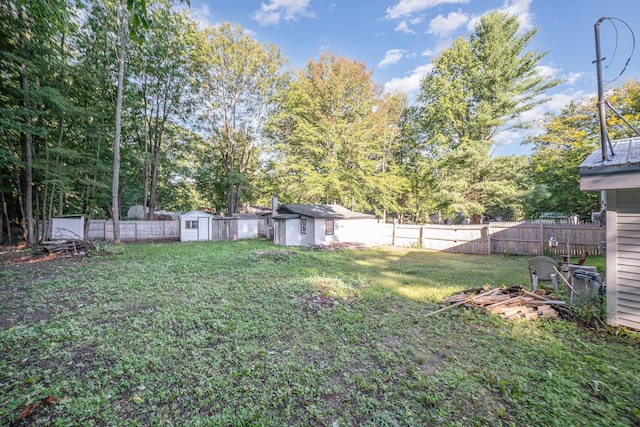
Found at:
<point>196,226</point>
<point>618,178</point>
<point>305,225</point>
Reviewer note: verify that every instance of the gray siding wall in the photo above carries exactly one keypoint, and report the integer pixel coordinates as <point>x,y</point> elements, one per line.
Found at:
<point>627,257</point>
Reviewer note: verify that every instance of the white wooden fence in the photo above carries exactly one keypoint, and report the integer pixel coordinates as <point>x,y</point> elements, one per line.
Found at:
<point>516,238</point>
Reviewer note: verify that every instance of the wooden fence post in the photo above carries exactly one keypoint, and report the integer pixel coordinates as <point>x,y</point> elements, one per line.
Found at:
<point>541,238</point>
<point>393,233</point>
<point>488,239</point>
<point>421,236</point>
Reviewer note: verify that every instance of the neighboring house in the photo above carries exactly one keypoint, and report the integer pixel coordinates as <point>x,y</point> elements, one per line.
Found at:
<point>304,225</point>
<point>619,180</point>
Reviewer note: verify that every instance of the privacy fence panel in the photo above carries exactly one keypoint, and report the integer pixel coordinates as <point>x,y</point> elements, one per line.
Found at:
<point>515,238</point>
<point>135,230</point>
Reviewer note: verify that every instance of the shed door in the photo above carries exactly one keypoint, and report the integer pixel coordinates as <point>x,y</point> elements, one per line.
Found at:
<point>203,228</point>
<point>280,229</point>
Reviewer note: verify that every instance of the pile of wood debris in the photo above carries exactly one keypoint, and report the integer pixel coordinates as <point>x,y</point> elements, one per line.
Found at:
<point>337,246</point>
<point>509,303</point>
<point>68,247</point>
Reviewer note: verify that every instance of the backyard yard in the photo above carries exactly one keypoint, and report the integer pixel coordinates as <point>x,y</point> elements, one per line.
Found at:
<point>234,334</point>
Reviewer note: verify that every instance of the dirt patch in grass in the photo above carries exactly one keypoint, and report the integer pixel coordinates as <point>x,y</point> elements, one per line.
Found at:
<point>21,275</point>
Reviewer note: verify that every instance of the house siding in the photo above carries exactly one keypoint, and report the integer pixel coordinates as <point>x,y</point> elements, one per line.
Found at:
<point>627,263</point>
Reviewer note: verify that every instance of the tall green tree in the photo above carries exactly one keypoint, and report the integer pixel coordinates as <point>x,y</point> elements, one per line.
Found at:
<point>335,137</point>
<point>569,137</point>
<point>32,44</point>
<point>476,89</point>
<point>239,77</point>
<point>163,77</point>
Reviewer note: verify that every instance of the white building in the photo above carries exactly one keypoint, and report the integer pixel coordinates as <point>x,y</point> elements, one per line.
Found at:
<point>305,225</point>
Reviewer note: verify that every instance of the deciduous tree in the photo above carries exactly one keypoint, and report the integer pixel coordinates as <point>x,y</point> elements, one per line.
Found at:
<point>336,135</point>
<point>240,77</point>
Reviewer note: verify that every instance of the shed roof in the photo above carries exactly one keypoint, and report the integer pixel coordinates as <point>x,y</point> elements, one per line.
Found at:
<point>286,216</point>
<point>553,215</point>
<point>621,170</point>
<point>197,213</point>
<point>322,211</point>
<point>626,159</point>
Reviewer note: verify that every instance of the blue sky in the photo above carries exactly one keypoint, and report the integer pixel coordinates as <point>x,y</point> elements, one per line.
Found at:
<point>398,39</point>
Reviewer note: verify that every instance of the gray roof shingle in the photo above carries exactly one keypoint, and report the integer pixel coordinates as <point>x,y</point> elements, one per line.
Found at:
<point>322,211</point>
<point>625,160</point>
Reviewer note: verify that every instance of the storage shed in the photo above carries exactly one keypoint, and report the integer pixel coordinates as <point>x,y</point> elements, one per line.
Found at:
<point>196,226</point>
<point>618,178</point>
<point>305,225</point>
<point>201,226</point>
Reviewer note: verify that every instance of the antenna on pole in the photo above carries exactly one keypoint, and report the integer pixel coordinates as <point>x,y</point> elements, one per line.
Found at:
<point>604,135</point>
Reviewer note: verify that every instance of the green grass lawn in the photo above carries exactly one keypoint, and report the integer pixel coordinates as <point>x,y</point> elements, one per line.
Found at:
<point>211,334</point>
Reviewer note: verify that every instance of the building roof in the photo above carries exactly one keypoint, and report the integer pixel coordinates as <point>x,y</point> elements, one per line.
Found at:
<point>245,215</point>
<point>626,158</point>
<point>197,213</point>
<point>619,171</point>
<point>553,215</point>
<point>322,211</point>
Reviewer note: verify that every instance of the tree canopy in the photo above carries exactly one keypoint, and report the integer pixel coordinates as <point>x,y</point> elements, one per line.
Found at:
<point>477,88</point>
<point>212,118</point>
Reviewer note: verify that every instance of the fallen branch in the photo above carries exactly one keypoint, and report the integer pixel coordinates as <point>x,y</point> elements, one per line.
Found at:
<point>466,300</point>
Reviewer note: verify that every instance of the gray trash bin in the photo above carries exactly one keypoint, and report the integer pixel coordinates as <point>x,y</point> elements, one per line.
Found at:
<point>586,284</point>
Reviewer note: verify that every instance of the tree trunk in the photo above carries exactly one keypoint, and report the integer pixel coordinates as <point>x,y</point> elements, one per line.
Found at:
<point>4,216</point>
<point>230,199</point>
<point>26,141</point>
<point>154,180</point>
<point>115,184</point>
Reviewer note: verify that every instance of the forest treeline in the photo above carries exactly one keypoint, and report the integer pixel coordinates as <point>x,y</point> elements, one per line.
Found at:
<point>107,104</point>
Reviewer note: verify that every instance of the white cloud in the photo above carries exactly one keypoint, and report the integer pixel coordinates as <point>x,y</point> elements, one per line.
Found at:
<point>443,26</point>
<point>534,118</point>
<point>202,15</point>
<point>572,78</point>
<point>519,8</point>
<point>547,71</point>
<point>275,10</point>
<point>391,57</point>
<point>404,28</point>
<point>554,105</point>
<point>408,84</point>
<point>409,7</point>
<point>508,136</point>
<point>427,52</point>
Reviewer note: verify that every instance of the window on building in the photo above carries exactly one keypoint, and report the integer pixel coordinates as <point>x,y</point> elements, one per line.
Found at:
<point>192,224</point>
<point>303,226</point>
<point>328,227</point>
